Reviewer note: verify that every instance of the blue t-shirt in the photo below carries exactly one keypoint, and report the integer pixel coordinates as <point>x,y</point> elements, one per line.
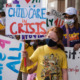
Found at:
<point>74,36</point>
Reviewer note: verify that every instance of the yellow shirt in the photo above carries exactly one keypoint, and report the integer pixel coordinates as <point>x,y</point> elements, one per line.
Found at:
<point>30,67</point>
<point>1,26</point>
<point>30,51</point>
<point>50,63</point>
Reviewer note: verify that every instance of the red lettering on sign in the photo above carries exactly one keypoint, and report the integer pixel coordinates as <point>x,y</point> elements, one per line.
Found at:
<point>11,30</point>
<point>27,1</point>
<point>56,22</point>
<point>20,30</point>
<point>43,30</point>
<point>8,5</point>
<point>32,28</point>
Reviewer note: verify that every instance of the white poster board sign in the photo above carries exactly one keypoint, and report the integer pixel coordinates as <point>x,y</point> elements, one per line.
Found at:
<point>22,20</point>
<point>55,19</point>
<point>27,3</point>
<point>73,58</point>
<point>10,58</point>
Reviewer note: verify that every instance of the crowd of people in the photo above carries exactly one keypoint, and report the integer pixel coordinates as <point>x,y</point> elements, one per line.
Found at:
<point>46,59</point>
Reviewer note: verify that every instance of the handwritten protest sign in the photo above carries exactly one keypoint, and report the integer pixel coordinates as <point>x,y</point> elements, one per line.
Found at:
<point>10,58</point>
<point>25,3</point>
<point>56,19</point>
<point>25,21</point>
<point>73,58</point>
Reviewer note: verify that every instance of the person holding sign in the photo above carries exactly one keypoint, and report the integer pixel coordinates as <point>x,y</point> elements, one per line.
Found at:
<point>51,58</point>
<point>71,29</point>
<point>30,50</point>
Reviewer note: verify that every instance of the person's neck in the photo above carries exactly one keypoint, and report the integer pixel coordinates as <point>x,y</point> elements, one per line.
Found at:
<point>55,47</point>
<point>71,26</point>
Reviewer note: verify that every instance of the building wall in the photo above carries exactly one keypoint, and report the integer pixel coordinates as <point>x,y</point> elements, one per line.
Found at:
<point>52,4</point>
<point>61,5</point>
<point>71,3</point>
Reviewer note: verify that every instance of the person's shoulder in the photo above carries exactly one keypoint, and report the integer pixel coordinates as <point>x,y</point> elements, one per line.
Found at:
<point>63,26</point>
<point>62,52</point>
<point>26,46</point>
<point>41,47</point>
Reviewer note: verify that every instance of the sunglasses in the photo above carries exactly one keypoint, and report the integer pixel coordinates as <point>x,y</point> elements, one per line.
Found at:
<point>69,17</point>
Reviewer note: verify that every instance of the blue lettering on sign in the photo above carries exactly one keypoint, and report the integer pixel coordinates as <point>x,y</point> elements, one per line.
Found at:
<point>1,68</point>
<point>43,13</point>
<point>12,65</point>
<point>32,36</point>
<point>2,58</point>
<point>0,77</point>
<point>30,13</point>
<point>15,58</point>
<point>15,2</point>
<point>1,64</point>
<point>11,12</point>
<point>16,49</point>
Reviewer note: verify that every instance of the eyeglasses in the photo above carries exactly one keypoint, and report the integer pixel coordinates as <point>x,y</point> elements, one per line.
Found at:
<point>69,17</point>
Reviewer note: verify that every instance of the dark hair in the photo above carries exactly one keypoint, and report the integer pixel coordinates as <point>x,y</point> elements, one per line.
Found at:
<point>41,42</point>
<point>3,14</point>
<point>76,24</point>
<point>28,42</point>
<point>59,33</point>
<point>38,43</point>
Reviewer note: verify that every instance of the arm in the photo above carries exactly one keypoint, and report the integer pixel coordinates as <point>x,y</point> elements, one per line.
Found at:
<point>76,46</point>
<point>30,71</point>
<point>25,54</point>
<point>33,58</point>
<point>65,74</point>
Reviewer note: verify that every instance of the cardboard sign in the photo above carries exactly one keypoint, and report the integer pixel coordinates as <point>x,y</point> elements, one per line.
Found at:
<point>73,58</point>
<point>10,58</point>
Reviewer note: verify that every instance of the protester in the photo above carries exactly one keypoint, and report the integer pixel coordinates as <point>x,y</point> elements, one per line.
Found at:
<point>30,50</point>
<point>32,69</point>
<point>31,45</point>
<point>71,29</point>
<point>2,22</point>
<point>51,58</point>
